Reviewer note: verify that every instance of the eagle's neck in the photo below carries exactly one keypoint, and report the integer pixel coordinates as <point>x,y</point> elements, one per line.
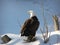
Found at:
<point>31,15</point>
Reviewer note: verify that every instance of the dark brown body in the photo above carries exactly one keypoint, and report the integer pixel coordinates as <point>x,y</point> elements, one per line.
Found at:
<point>30,27</point>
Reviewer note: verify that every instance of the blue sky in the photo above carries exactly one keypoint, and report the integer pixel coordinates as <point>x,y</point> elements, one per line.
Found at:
<point>14,12</point>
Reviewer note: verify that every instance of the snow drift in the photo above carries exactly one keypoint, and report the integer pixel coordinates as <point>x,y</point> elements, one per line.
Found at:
<point>17,40</point>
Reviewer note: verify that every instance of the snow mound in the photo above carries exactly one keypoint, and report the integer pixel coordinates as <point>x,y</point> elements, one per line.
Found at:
<point>17,40</point>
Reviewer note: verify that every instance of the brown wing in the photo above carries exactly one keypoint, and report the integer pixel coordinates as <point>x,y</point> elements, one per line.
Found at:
<point>34,26</point>
<point>26,25</point>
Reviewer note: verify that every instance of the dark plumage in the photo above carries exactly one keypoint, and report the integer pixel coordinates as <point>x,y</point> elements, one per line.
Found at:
<point>30,27</point>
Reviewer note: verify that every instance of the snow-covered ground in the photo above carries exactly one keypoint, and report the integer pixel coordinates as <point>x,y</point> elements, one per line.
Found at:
<point>17,40</point>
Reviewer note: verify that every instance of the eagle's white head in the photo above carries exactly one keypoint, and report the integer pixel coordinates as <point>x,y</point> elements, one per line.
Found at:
<point>31,13</point>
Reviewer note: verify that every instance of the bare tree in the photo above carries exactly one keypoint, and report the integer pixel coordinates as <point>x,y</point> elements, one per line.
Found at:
<point>45,28</point>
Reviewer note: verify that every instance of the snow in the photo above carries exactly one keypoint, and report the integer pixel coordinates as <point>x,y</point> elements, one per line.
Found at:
<point>17,40</point>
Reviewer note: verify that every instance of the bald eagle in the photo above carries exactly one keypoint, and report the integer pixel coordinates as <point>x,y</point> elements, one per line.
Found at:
<point>30,26</point>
